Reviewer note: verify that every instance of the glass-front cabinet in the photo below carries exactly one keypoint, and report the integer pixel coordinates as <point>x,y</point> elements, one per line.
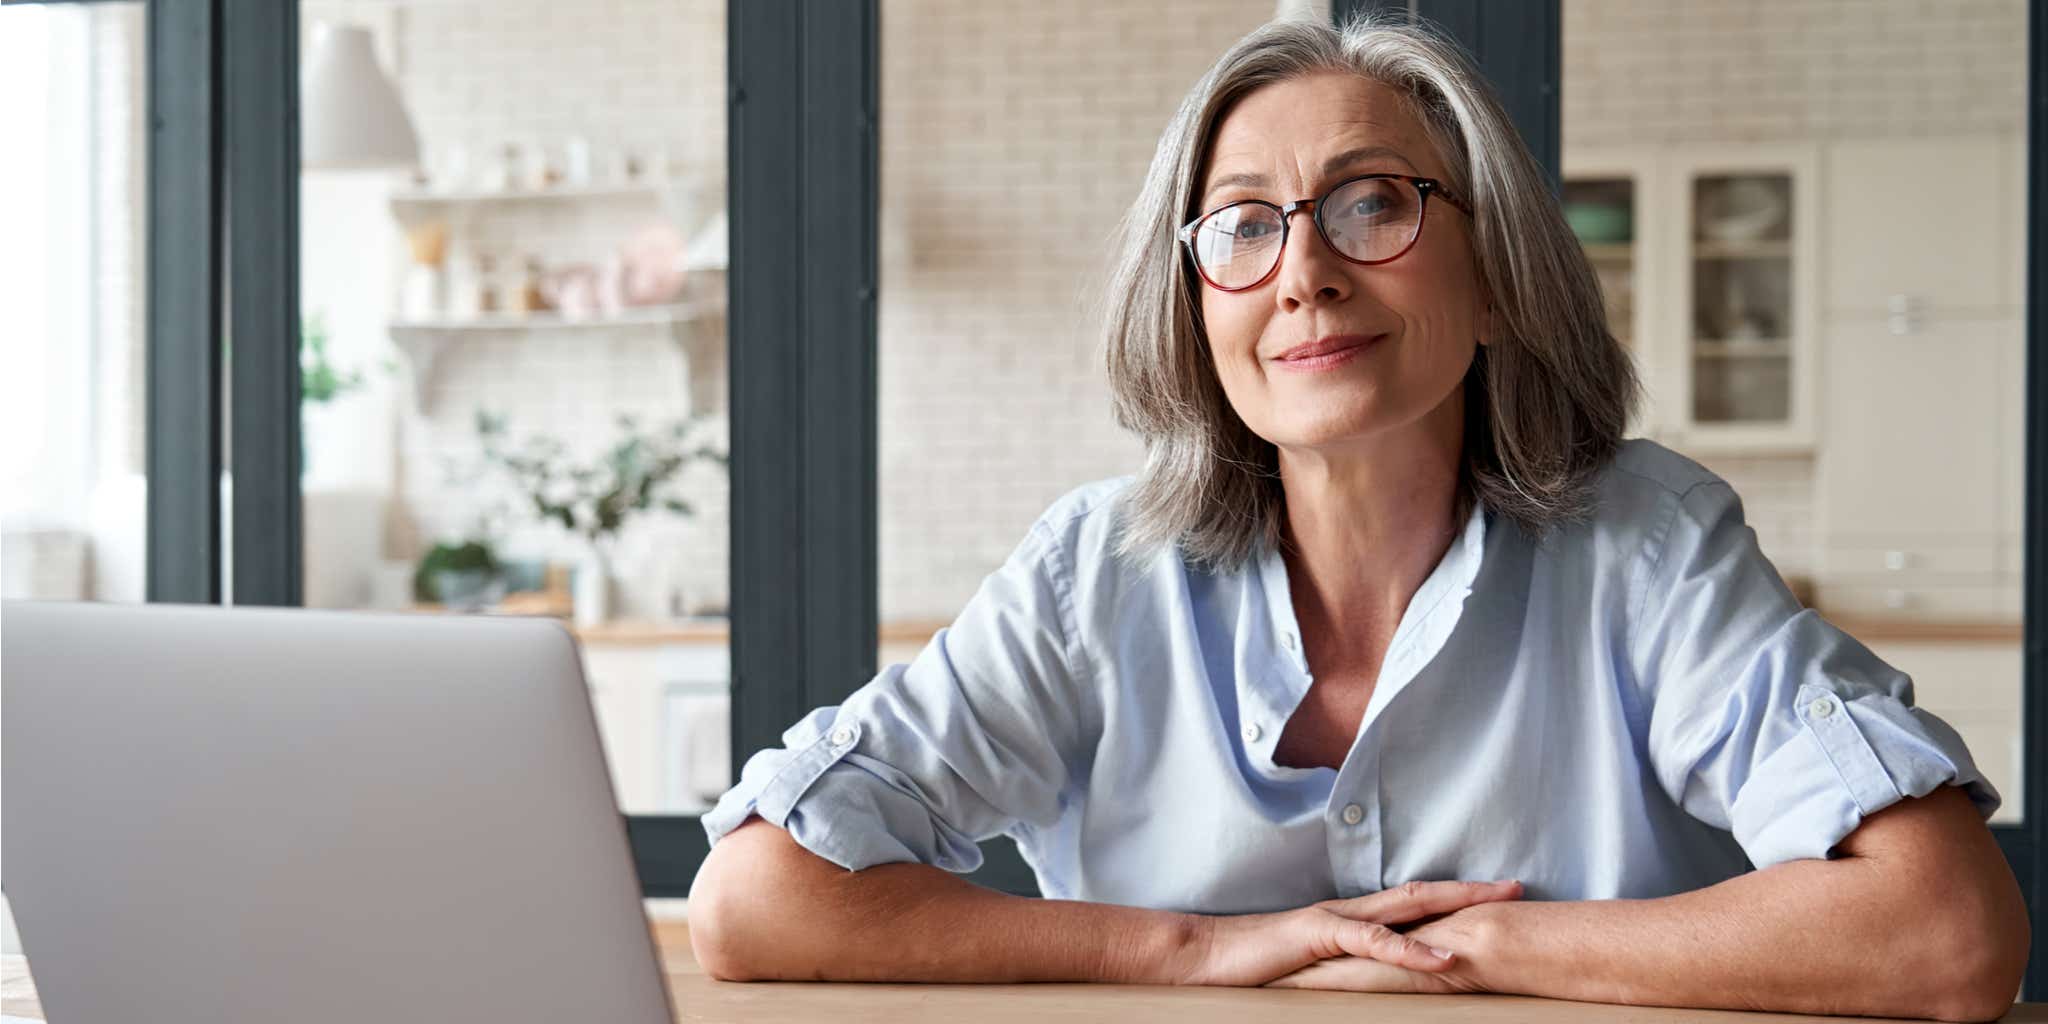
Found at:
<point>1706,260</point>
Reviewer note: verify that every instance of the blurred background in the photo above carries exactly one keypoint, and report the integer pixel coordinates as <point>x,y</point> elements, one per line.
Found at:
<point>514,226</point>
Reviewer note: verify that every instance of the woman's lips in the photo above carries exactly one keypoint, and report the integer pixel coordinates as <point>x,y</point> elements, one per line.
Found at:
<point>1331,353</point>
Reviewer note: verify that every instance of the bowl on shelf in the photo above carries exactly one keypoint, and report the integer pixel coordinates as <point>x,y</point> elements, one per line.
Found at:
<point>1743,210</point>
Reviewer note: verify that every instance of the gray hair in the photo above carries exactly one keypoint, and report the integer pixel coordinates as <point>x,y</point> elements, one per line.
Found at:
<point>1545,403</point>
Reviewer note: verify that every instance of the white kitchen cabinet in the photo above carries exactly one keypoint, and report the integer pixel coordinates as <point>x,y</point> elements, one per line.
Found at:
<point>1916,490</point>
<point>1919,470</point>
<point>624,693</point>
<point>1921,227</point>
<point>1743,328</point>
<point>1912,454</point>
<point>664,715</point>
<point>1721,268</point>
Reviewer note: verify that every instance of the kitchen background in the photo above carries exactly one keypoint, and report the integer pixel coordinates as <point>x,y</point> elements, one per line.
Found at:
<point>1806,212</point>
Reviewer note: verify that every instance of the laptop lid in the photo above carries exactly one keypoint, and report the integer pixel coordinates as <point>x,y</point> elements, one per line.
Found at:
<point>242,814</point>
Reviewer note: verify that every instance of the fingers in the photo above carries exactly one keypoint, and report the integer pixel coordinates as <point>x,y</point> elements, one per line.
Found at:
<point>1412,900</point>
<point>1356,974</point>
<point>1378,942</point>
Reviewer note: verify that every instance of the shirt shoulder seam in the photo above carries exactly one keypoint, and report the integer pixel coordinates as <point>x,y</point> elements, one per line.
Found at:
<point>1656,547</point>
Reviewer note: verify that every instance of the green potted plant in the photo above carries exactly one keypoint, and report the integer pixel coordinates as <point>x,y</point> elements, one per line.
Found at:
<point>464,576</point>
<point>594,500</point>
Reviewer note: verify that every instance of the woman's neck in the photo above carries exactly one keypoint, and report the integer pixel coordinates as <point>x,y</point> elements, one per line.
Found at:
<point>1366,524</point>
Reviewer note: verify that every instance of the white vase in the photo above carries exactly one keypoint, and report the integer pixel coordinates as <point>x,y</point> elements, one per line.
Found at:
<point>592,592</point>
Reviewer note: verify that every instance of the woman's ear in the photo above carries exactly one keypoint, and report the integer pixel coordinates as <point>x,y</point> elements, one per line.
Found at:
<point>1489,325</point>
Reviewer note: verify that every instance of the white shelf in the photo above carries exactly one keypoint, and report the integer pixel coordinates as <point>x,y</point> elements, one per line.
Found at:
<point>1766,250</point>
<point>630,316</point>
<point>1609,252</point>
<point>424,341</point>
<point>428,197</point>
<point>1711,348</point>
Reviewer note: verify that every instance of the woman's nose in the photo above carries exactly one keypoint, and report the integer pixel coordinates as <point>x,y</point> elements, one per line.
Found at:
<point>1309,272</point>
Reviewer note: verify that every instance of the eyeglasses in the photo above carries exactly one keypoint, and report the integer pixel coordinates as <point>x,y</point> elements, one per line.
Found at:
<point>1370,219</point>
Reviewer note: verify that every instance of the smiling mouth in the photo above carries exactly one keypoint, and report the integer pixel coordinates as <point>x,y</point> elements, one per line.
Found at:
<point>1326,352</point>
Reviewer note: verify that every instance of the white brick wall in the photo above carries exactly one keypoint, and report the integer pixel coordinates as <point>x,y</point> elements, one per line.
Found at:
<point>1013,135</point>
<point>1750,70</point>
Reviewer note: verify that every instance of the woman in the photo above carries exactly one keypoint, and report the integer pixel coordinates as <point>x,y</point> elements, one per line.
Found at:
<point>1395,668</point>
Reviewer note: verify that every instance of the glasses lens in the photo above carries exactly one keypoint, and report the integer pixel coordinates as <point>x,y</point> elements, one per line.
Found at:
<point>1373,218</point>
<point>1237,245</point>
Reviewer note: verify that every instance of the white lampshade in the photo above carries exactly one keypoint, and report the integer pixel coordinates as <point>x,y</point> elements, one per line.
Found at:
<point>1306,10</point>
<point>350,112</point>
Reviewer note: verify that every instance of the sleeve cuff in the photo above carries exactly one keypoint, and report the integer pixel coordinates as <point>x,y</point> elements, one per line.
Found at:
<point>1849,760</point>
<point>774,780</point>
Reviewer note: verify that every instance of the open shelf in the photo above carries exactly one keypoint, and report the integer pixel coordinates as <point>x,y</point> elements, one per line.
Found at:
<point>630,316</point>
<point>430,197</point>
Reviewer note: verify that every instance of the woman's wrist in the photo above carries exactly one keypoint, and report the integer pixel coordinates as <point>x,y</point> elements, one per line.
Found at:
<point>1484,935</point>
<point>1168,950</point>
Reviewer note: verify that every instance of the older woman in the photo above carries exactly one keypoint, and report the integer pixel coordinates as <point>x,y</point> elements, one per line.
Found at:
<point>1395,668</point>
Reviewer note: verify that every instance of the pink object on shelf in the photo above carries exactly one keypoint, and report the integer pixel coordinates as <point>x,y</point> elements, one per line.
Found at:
<point>652,266</point>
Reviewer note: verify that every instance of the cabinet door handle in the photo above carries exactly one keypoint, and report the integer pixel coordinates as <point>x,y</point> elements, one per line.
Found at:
<point>1895,560</point>
<point>1905,314</point>
<point>1897,599</point>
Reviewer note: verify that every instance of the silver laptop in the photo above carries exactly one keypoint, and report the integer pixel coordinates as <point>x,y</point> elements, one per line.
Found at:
<point>250,814</point>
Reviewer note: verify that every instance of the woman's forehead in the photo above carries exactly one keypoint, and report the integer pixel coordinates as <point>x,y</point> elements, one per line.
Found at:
<point>1294,129</point>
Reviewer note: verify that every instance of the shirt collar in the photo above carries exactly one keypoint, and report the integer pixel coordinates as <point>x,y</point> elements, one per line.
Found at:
<point>1453,577</point>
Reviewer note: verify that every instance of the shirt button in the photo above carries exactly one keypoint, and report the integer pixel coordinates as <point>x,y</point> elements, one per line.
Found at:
<point>842,736</point>
<point>1822,708</point>
<point>1353,814</point>
<point>1287,640</point>
<point>1251,732</point>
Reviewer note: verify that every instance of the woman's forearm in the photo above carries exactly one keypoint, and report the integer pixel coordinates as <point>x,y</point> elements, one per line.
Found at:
<point>765,908</point>
<point>1880,933</point>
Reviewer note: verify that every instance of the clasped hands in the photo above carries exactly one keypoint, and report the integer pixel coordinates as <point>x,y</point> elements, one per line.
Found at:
<point>1416,937</point>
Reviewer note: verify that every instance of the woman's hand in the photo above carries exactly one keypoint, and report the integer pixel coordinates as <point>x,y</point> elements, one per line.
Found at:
<point>1258,949</point>
<point>1464,931</point>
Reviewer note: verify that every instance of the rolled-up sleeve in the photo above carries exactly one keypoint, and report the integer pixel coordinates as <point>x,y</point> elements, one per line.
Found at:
<point>974,738</point>
<point>1765,719</point>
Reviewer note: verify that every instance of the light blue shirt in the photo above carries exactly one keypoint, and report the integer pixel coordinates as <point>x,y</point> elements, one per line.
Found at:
<point>1633,708</point>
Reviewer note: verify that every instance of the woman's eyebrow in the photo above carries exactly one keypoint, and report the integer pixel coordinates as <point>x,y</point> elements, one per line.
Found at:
<point>1330,166</point>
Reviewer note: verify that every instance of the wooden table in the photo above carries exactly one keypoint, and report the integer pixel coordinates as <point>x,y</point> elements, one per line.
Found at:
<point>700,998</point>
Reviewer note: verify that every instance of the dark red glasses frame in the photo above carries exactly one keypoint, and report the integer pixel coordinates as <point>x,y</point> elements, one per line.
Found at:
<point>1425,187</point>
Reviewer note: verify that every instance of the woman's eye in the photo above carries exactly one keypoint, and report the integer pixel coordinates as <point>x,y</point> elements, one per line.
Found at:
<point>1250,230</point>
<point>1367,207</point>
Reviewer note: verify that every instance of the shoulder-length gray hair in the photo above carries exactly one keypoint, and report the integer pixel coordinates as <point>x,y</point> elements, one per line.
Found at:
<point>1546,402</point>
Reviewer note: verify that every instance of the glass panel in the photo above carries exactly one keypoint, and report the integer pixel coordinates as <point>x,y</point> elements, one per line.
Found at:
<point>1602,213</point>
<point>72,260</point>
<point>71,302</point>
<point>513,325</point>
<point>1601,207</point>
<point>1742,298</point>
<point>1829,272</point>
